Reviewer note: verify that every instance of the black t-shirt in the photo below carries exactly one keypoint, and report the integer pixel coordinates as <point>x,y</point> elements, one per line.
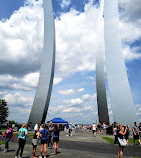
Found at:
<point>35,135</point>
<point>127,132</point>
<point>119,135</point>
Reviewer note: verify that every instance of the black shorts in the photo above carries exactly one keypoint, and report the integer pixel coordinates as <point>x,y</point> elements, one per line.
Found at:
<point>43,141</point>
<point>55,139</point>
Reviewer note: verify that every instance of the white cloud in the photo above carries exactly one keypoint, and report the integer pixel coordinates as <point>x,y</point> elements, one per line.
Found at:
<point>80,101</point>
<point>72,110</point>
<point>130,53</point>
<point>132,9</point>
<point>57,80</point>
<point>86,97</point>
<point>90,77</point>
<point>66,92</point>
<point>65,3</point>
<point>22,41</point>
<point>1,93</point>
<point>18,99</point>
<point>31,79</point>
<point>81,90</point>
<point>74,101</point>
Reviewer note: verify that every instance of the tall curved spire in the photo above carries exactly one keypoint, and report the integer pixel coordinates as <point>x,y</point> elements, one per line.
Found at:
<point>120,94</point>
<point>100,78</point>
<point>44,89</point>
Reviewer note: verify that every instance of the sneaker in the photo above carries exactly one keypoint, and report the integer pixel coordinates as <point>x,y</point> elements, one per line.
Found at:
<point>45,157</point>
<point>40,156</point>
<point>16,156</point>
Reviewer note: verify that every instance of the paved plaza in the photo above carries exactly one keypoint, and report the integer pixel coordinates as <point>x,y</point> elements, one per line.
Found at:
<point>82,145</point>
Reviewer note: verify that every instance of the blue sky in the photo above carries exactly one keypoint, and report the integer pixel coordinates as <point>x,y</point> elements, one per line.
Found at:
<point>74,90</point>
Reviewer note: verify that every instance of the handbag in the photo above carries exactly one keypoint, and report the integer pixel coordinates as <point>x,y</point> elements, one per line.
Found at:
<point>34,141</point>
<point>122,142</point>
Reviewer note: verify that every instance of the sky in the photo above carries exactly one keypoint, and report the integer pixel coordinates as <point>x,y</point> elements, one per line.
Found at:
<point>74,88</point>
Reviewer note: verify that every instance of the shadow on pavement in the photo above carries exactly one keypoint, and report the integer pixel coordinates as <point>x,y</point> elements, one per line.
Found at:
<point>11,150</point>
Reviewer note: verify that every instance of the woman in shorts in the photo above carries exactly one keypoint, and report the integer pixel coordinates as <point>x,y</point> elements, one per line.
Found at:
<point>121,131</point>
<point>55,138</point>
<point>34,142</point>
<point>44,137</point>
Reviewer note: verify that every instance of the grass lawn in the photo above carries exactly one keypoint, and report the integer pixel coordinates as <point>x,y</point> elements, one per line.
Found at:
<point>2,142</point>
<point>109,140</point>
<point>29,135</point>
<point>132,142</point>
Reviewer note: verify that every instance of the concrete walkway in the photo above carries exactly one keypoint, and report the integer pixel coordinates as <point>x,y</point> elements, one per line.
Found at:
<point>82,145</point>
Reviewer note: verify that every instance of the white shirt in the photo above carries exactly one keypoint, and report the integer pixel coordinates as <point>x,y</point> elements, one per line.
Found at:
<point>94,126</point>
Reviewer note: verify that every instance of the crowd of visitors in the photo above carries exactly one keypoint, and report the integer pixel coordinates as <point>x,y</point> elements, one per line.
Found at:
<point>69,129</point>
<point>45,134</point>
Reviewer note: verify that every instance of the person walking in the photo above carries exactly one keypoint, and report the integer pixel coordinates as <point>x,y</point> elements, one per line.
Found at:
<point>115,133</point>
<point>136,133</point>
<point>73,129</point>
<point>94,129</point>
<point>67,129</point>
<point>36,127</point>
<point>44,134</point>
<point>121,131</point>
<point>21,139</point>
<point>8,134</point>
<point>55,138</point>
<point>34,141</point>
<point>70,129</point>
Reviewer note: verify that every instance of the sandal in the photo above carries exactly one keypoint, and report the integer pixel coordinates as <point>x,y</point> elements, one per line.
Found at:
<point>53,153</point>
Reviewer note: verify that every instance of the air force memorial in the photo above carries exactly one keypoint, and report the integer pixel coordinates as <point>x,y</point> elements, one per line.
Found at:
<point>109,51</point>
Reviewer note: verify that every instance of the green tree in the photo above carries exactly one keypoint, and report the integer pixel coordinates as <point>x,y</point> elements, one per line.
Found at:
<point>3,111</point>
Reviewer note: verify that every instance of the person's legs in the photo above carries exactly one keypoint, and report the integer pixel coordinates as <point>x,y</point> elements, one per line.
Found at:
<point>134,139</point>
<point>6,144</point>
<point>127,142</point>
<point>34,150</point>
<point>51,142</point>
<point>121,152</point>
<point>139,140</point>
<point>22,146</point>
<point>41,151</point>
<point>20,142</point>
<point>45,149</point>
<point>56,147</point>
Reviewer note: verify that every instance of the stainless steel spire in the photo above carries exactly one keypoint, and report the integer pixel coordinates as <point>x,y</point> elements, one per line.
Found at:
<point>120,94</point>
<point>100,78</point>
<point>43,92</point>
